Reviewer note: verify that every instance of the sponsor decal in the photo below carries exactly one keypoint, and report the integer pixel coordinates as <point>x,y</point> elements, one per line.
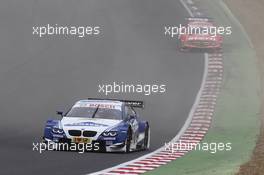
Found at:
<point>86,124</point>
<point>86,104</point>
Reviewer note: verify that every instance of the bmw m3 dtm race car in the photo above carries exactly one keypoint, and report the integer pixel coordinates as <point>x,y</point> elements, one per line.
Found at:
<point>112,124</point>
<point>198,35</point>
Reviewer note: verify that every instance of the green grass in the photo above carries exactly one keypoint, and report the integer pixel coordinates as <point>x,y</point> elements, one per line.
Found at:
<point>236,119</point>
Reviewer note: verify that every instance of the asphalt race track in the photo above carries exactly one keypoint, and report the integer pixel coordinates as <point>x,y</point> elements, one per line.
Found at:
<point>39,75</point>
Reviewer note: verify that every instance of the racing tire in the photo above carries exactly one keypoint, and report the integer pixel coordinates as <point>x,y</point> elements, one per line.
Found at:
<point>128,141</point>
<point>147,138</point>
<point>181,47</point>
<point>184,49</point>
<point>218,49</point>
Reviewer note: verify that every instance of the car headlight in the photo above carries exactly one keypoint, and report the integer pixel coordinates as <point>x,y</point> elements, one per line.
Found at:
<point>109,133</point>
<point>57,131</point>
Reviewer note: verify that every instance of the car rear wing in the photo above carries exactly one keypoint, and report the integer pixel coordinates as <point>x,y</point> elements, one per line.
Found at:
<point>132,103</point>
<point>202,19</point>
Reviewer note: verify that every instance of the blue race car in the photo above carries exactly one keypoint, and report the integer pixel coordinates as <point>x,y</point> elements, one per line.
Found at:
<point>107,125</point>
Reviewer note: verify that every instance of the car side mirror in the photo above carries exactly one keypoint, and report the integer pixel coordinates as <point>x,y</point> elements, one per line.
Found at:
<point>132,117</point>
<point>60,113</point>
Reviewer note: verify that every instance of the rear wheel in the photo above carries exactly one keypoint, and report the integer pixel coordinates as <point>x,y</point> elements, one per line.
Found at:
<point>218,49</point>
<point>128,140</point>
<point>147,138</point>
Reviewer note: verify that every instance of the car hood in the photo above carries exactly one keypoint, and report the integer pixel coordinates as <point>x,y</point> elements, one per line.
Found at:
<point>90,124</point>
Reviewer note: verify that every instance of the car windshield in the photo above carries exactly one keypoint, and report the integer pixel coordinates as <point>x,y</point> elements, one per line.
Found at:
<point>93,112</point>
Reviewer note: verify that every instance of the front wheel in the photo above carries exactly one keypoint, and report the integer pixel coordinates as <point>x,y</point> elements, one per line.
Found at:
<point>181,46</point>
